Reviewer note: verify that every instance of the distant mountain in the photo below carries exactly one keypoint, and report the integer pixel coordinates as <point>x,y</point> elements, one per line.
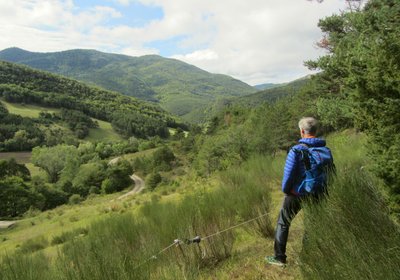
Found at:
<point>266,86</point>
<point>274,93</point>
<point>180,88</point>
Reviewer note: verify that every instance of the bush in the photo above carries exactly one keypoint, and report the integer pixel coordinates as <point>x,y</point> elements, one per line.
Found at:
<point>75,199</point>
<point>162,159</point>
<point>53,197</point>
<point>153,179</point>
<point>108,186</point>
<point>33,245</point>
<point>94,190</point>
<point>67,236</point>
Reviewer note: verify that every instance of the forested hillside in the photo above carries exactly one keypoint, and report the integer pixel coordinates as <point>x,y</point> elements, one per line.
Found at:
<point>272,94</point>
<point>77,101</point>
<point>179,87</point>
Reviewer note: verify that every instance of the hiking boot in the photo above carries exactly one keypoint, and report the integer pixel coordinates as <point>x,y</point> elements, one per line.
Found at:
<point>274,261</point>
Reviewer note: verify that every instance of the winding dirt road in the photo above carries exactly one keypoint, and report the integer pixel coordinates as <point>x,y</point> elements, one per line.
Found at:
<point>139,183</point>
<point>139,186</point>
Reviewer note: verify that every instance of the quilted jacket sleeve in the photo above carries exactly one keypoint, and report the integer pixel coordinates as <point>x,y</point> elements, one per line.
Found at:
<point>290,172</point>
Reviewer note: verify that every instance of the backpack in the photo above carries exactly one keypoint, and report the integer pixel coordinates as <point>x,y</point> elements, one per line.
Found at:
<point>318,162</point>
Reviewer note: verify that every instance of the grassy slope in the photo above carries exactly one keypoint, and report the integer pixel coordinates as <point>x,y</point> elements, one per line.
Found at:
<point>52,223</point>
<point>247,261</point>
<point>68,217</point>
<point>249,251</point>
<point>103,133</point>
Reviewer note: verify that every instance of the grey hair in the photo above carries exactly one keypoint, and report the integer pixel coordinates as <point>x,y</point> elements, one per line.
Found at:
<point>309,125</point>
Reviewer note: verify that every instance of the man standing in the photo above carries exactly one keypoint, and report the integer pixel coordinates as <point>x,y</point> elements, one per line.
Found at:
<point>294,185</point>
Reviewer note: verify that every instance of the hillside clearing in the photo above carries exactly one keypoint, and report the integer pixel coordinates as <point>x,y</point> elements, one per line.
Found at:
<point>104,132</point>
<point>25,110</point>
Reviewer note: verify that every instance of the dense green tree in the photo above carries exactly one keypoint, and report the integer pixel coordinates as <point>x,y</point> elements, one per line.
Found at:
<point>18,133</point>
<point>118,175</point>
<point>162,158</point>
<point>89,174</point>
<point>12,168</point>
<point>362,67</point>
<point>53,159</point>
<point>53,197</point>
<point>16,197</point>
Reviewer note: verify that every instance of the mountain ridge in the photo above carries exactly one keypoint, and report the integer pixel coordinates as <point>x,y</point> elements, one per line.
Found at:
<point>179,87</point>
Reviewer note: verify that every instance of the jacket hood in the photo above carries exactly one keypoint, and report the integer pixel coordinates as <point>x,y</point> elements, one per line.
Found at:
<point>313,142</point>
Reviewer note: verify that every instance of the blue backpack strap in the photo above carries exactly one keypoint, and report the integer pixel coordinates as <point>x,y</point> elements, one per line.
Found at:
<point>305,155</point>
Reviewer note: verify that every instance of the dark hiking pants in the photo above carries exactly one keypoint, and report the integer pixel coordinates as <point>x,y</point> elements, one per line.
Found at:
<point>290,207</point>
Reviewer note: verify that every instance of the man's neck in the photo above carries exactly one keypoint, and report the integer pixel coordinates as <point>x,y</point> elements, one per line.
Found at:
<point>308,136</point>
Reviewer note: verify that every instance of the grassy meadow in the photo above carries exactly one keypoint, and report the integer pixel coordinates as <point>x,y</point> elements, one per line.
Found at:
<point>27,110</point>
<point>104,133</point>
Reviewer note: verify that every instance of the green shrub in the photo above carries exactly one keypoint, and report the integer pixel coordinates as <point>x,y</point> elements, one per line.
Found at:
<point>67,236</point>
<point>94,190</point>
<point>107,186</point>
<point>153,179</point>
<point>33,245</point>
<point>75,199</point>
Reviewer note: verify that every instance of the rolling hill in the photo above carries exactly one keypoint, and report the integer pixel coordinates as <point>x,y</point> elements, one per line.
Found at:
<point>266,86</point>
<point>179,87</point>
<point>273,93</point>
<point>78,105</point>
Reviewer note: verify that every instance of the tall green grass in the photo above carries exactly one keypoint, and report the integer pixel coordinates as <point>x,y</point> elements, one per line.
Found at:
<point>25,267</point>
<point>350,235</point>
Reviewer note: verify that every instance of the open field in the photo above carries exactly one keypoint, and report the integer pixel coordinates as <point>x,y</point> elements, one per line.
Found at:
<point>20,157</point>
<point>104,132</point>
<point>24,110</point>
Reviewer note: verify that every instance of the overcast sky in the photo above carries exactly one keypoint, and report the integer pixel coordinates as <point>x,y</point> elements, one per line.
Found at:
<point>256,41</point>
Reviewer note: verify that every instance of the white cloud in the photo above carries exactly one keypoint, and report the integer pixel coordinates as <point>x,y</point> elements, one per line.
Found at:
<point>138,51</point>
<point>256,41</point>
<point>123,2</point>
<point>201,55</point>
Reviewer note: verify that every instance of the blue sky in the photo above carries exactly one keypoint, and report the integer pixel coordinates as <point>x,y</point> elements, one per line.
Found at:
<point>132,14</point>
<point>256,41</point>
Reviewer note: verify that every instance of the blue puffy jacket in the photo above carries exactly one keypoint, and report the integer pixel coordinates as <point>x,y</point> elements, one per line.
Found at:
<point>294,167</point>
